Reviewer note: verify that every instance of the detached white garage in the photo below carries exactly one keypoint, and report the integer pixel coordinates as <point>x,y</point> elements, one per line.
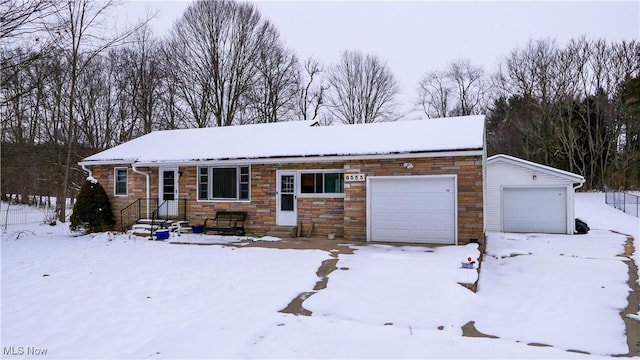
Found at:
<point>417,209</point>
<point>523,196</point>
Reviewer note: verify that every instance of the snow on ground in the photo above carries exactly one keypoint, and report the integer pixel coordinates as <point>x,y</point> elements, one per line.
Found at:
<point>202,239</point>
<point>576,283</point>
<point>323,337</point>
<point>108,296</point>
<point>592,208</point>
<point>424,281</point>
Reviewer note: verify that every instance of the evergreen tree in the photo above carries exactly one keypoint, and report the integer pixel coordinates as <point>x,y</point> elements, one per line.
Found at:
<point>92,210</point>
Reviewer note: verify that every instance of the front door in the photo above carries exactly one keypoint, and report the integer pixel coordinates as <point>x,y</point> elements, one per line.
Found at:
<point>168,193</point>
<point>286,200</point>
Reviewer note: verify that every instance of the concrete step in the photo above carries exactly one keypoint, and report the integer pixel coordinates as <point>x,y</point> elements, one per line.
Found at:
<point>145,227</point>
<point>141,234</point>
<point>283,231</point>
<point>284,228</point>
<point>150,221</point>
<point>281,234</point>
<point>148,227</point>
<point>179,226</point>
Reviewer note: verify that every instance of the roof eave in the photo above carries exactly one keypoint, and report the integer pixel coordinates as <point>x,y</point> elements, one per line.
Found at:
<point>292,159</point>
<point>575,178</point>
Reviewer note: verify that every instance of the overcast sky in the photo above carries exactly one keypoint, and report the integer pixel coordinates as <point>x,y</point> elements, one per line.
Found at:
<point>414,37</point>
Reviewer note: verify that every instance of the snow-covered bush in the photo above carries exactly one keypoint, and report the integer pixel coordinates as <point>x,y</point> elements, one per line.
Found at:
<point>92,210</point>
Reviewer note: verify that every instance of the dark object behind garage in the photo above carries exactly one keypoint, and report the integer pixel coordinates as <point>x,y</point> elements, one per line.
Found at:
<point>581,227</point>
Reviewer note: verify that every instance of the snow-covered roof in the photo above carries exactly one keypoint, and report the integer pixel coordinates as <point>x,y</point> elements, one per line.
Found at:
<point>535,166</point>
<point>297,139</point>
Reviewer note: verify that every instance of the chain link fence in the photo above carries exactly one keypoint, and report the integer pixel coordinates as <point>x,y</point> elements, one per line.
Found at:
<point>623,201</point>
<point>18,214</point>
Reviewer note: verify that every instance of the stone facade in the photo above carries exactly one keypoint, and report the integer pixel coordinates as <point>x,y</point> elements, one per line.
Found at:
<point>344,216</point>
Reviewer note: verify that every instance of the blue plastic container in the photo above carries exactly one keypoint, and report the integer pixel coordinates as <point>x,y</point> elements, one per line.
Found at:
<point>197,229</point>
<point>162,234</point>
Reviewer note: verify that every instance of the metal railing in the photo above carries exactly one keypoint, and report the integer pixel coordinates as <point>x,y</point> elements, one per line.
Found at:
<point>139,209</point>
<point>623,201</point>
<point>149,208</point>
<point>171,209</point>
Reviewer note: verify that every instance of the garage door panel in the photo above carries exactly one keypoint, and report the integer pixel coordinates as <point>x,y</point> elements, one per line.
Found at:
<point>413,209</point>
<point>534,210</point>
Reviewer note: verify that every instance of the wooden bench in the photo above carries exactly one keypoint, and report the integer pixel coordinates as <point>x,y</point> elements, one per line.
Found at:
<point>226,223</point>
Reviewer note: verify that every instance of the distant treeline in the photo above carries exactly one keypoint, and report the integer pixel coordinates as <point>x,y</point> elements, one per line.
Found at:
<point>69,91</point>
<point>33,171</point>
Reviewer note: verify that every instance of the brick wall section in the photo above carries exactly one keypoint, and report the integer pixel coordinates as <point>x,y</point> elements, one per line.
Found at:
<point>345,217</point>
<point>136,187</point>
<point>326,213</point>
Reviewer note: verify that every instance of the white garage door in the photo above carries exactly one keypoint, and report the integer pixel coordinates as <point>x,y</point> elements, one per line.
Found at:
<point>412,209</point>
<point>534,210</point>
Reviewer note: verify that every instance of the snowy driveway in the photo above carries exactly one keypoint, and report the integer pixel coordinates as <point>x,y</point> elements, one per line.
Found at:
<point>559,290</point>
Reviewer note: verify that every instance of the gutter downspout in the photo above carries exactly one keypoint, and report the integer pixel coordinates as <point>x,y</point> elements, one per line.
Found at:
<point>146,175</point>
<point>574,199</point>
<point>87,170</point>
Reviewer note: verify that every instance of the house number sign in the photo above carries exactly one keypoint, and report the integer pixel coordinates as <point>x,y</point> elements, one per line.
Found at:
<point>354,177</point>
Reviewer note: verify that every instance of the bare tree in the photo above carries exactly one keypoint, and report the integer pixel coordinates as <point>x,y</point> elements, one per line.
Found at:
<point>81,42</point>
<point>272,96</point>
<point>26,17</point>
<point>461,89</point>
<point>213,50</point>
<point>435,94</point>
<point>172,111</point>
<point>144,73</point>
<point>363,89</point>
<point>471,87</point>
<point>311,96</point>
<point>25,21</point>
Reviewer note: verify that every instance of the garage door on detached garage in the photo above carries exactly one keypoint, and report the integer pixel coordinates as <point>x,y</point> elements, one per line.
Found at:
<point>523,196</point>
<point>534,209</point>
<point>419,209</point>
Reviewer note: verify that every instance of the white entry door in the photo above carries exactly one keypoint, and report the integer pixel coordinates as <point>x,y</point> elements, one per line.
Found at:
<point>168,199</point>
<point>286,199</point>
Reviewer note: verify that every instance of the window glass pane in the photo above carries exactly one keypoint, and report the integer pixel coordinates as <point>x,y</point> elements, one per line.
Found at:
<point>168,185</point>
<point>286,202</point>
<point>322,183</point>
<point>244,174</point>
<point>318,189</point>
<point>244,191</point>
<point>121,182</point>
<point>203,183</point>
<point>224,183</point>
<point>333,183</point>
<point>244,182</point>
<point>307,183</point>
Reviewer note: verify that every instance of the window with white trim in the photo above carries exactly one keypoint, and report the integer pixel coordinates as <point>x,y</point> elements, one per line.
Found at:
<point>121,181</point>
<point>322,182</point>
<point>223,183</point>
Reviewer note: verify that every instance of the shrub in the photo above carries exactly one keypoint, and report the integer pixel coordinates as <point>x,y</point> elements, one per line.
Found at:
<point>92,210</point>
